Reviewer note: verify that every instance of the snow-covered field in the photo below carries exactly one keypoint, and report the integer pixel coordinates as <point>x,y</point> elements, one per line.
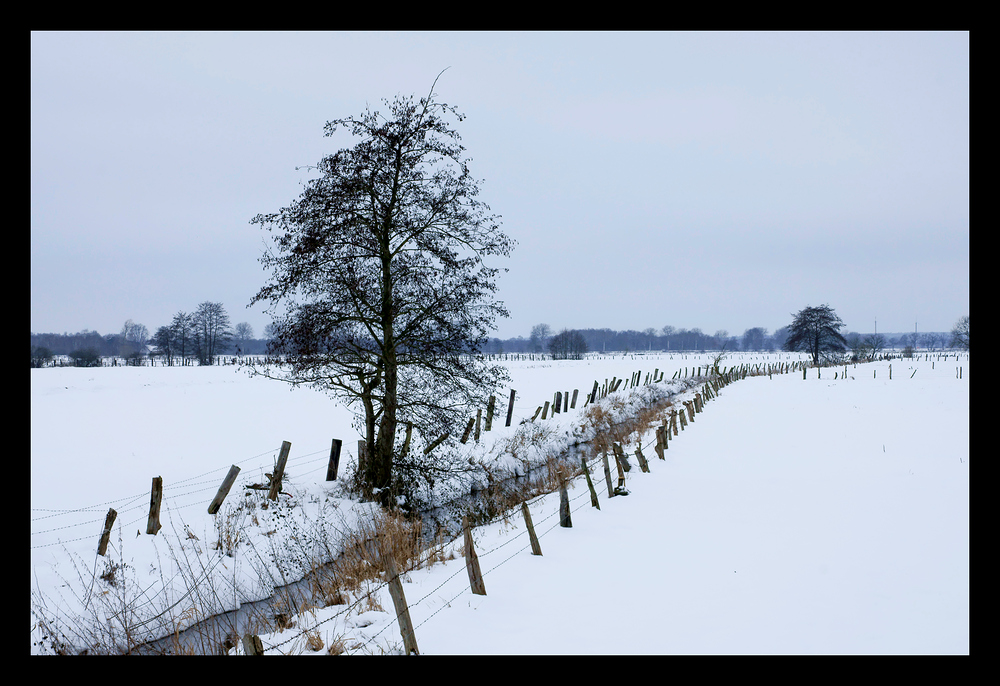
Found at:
<point>825,515</point>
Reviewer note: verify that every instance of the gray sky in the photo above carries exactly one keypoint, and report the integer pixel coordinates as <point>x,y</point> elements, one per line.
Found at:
<point>709,180</point>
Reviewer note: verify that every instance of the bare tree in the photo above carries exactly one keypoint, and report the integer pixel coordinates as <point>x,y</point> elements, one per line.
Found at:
<point>133,341</point>
<point>182,335</point>
<point>378,269</point>
<point>568,345</point>
<point>242,335</point>
<point>960,333</point>
<point>540,334</point>
<point>816,330</point>
<point>211,331</point>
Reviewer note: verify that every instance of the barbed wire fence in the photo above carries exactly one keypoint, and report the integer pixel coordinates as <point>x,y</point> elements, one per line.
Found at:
<point>191,492</point>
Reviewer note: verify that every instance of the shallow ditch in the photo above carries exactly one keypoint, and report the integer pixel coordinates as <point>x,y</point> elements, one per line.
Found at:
<point>218,633</point>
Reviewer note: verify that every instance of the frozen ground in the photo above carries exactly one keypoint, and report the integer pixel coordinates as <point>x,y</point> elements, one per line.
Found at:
<point>794,516</point>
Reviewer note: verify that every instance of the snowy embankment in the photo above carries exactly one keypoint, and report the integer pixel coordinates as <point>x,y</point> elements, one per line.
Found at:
<point>793,516</point>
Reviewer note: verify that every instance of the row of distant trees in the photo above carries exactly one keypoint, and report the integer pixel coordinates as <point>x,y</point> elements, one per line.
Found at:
<point>191,337</point>
<point>756,339</point>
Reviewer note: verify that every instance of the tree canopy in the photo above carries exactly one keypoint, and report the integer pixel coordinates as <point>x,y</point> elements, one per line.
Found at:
<point>815,330</point>
<point>378,284</point>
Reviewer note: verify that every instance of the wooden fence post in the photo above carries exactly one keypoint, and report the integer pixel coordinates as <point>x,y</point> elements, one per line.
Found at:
<point>436,443</point>
<point>489,412</point>
<point>468,429</point>
<point>332,466</point>
<point>109,521</point>
<point>399,602</point>
<point>227,483</point>
<point>155,496</point>
<point>279,471</point>
<point>590,484</point>
<point>472,562</point>
<point>565,520</point>
<point>479,418</point>
<point>607,473</point>
<point>621,457</point>
<point>572,404</point>
<point>643,465</point>
<point>510,407</point>
<point>252,645</point>
<point>620,488</point>
<point>535,548</point>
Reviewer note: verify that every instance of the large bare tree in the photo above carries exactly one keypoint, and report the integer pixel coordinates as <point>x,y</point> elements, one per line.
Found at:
<point>378,286</point>
<point>816,330</point>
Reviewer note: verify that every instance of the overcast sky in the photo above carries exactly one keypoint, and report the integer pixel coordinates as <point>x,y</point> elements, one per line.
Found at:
<point>709,180</point>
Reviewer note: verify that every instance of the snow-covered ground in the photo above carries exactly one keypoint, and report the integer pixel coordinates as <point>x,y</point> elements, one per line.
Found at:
<point>825,515</point>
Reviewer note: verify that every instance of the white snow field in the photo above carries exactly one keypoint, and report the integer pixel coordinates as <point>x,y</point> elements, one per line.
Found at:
<point>793,516</point>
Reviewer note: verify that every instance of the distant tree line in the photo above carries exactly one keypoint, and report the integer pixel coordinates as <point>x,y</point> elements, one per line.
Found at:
<point>756,339</point>
<point>202,335</point>
<point>191,337</point>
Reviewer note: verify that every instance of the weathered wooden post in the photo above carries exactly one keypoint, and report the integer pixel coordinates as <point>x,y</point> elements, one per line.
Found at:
<point>468,429</point>
<point>572,404</point>
<point>479,418</point>
<point>565,520</point>
<point>399,603</point>
<point>590,484</point>
<point>659,442</point>
<point>607,473</point>
<point>510,407</point>
<point>556,403</point>
<point>545,410</point>
<point>620,488</point>
<point>252,644</point>
<point>621,457</point>
<point>334,463</point>
<point>155,496</point>
<point>279,471</point>
<point>472,561</point>
<point>489,412</point>
<point>109,521</point>
<point>436,443</point>
<point>535,548</point>
<point>227,483</point>
<point>643,465</point>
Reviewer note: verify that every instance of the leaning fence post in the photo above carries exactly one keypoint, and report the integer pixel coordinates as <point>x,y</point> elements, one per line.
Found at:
<point>155,496</point>
<point>109,521</point>
<point>643,465</point>
<point>535,548</point>
<point>279,471</point>
<point>468,429</point>
<point>227,483</point>
<point>510,407</point>
<point>472,562</point>
<point>331,468</point>
<point>590,484</point>
<point>402,611</point>
<point>436,443</point>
